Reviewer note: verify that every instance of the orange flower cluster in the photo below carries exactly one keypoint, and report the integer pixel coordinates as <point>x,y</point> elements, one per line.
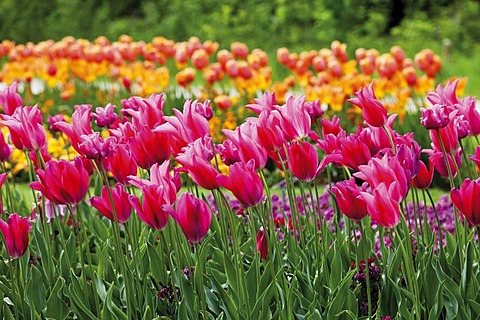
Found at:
<point>329,74</point>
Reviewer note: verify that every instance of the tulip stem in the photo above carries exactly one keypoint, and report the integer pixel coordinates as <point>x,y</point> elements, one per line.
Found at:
<point>366,270</point>
<point>465,159</point>
<point>390,138</point>
<point>439,226</point>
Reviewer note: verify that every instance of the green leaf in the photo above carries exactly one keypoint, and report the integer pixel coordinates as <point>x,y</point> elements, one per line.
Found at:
<point>114,310</point>
<point>78,299</point>
<point>101,229</point>
<point>158,269</point>
<point>263,302</point>
<point>226,303</point>
<point>35,290</point>
<point>56,307</point>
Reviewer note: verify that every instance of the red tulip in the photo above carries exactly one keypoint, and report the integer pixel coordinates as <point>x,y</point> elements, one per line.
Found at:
<point>15,232</point>
<point>374,112</point>
<point>245,184</point>
<point>149,147</point>
<point>303,160</point>
<point>122,205</point>
<point>424,176</point>
<point>121,163</point>
<point>63,182</point>
<point>467,201</point>
<point>26,128</point>
<point>193,216</point>
<point>262,245</point>
<point>153,209</point>
<point>349,200</point>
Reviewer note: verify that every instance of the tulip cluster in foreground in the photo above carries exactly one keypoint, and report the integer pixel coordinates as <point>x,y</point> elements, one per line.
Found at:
<point>141,223</point>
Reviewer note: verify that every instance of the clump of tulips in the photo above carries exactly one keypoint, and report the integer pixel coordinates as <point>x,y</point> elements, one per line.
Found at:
<point>141,223</point>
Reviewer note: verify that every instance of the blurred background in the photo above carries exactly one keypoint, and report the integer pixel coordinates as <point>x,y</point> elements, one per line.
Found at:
<point>450,28</point>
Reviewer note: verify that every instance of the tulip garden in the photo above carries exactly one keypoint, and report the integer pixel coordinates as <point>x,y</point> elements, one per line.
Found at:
<point>177,180</point>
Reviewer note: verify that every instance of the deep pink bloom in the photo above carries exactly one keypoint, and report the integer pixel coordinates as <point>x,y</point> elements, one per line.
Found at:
<point>145,112</point>
<point>294,119</point>
<point>63,182</point>
<point>472,114</point>
<point>5,149</point>
<point>438,160</point>
<point>193,215</point>
<point>244,138</point>
<point>81,125</point>
<point>314,109</point>
<point>386,170</point>
<point>467,200</point>
<point>186,126</point>
<point>262,245</point>
<point>424,176</point>
<point>203,108</point>
<point>94,146</point>
<point>26,128</point>
<point>374,112</point>
<point>160,177</point>
<point>149,147</point>
<point>123,132</point>
<point>303,160</point>
<point>196,159</point>
<point>331,126</point>
<point>122,205</point>
<point>10,99</point>
<point>349,151</point>
<point>476,157</point>
<point>449,136</point>
<point>382,205</point>
<point>105,117</point>
<point>462,125</point>
<point>435,117</point>
<point>267,102</point>
<point>54,119</point>
<point>228,151</point>
<point>269,131</point>
<point>15,232</point>
<point>349,200</point>
<point>446,96</point>
<point>245,184</point>
<point>154,208</point>
<point>121,163</point>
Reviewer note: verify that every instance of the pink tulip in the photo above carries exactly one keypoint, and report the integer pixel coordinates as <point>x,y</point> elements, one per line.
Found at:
<point>267,102</point>
<point>382,205</point>
<point>476,157</point>
<point>105,117</point>
<point>349,200</point>
<point>303,160</point>
<point>374,112</point>
<point>228,151</point>
<point>244,140</point>
<point>193,216</point>
<point>438,160</point>
<point>94,146</point>
<point>81,125</point>
<point>196,159</point>
<point>386,170</point>
<point>5,149</point>
<point>122,205</point>
<point>150,147</point>
<point>10,99</point>
<point>446,96</point>
<point>154,208</point>
<point>331,126</point>
<point>186,126</point>
<point>63,182</point>
<point>145,112</point>
<point>424,177</point>
<point>26,128</point>
<point>435,117</point>
<point>245,184</point>
<point>269,131</point>
<point>294,119</point>
<point>467,201</point>
<point>121,163</point>
<point>314,109</point>
<point>15,232</point>
<point>449,136</point>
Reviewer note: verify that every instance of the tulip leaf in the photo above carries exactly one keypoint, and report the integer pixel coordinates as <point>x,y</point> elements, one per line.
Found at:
<point>114,310</point>
<point>157,268</point>
<point>263,301</point>
<point>56,307</point>
<point>226,303</point>
<point>78,299</point>
<point>35,290</point>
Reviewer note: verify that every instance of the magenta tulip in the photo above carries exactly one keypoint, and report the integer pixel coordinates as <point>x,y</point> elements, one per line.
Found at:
<point>245,184</point>
<point>349,200</point>
<point>193,216</point>
<point>262,245</point>
<point>10,99</point>
<point>105,117</point>
<point>382,205</point>
<point>26,128</point>
<point>122,207</point>
<point>63,182</point>
<point>121,163</point>
<point>154,208</point>
<point>374,112</point>
<point>81,125</point>
<point>467,200</point>
<point>303,160</point>
<point>15,232</point>
<point>435,117</point>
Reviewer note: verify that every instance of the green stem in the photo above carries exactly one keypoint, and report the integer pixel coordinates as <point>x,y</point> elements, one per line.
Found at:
<point>367,271</point>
